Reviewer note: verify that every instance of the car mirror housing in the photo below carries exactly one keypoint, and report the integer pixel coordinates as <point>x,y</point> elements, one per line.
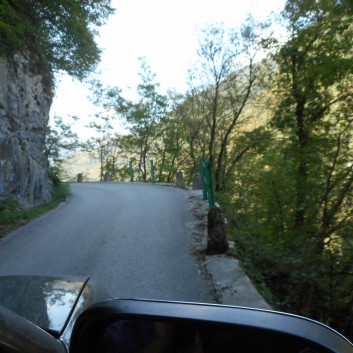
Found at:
<point>159,326</point>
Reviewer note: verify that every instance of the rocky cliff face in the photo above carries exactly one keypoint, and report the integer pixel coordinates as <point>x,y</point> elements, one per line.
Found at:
<point>25,100</point>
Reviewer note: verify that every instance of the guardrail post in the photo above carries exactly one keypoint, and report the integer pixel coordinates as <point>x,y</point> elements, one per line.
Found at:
<point>206,179</point>
<point>152,172</point>
<point>209,184</point>
<point>131,172</point>
<point>203,180</point>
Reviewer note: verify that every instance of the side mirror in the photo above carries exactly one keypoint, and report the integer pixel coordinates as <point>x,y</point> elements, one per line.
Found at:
<point>155,326</point>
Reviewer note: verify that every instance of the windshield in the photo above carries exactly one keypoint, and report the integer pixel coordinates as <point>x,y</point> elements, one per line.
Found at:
<point>194,151</point>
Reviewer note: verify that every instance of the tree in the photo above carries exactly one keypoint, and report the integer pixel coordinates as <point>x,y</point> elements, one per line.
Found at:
<point>292,193</point>
<point>60,141</point>
<point>231,72</point>
<point>101,144</point>
<point>143,116</point>
<point>59,32</point>
<point>315,110</point>
<point>194,112</point>
<point>170,147</point>
<point>297,190</point>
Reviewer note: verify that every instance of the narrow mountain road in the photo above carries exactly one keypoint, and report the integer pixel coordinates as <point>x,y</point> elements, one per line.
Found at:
<point>133,238</point>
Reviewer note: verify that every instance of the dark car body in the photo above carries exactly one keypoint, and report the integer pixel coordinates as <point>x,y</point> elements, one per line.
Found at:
<point>50,307</point>
<point>58,315</point>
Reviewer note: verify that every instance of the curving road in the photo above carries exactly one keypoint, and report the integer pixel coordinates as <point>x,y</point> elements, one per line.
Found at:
<point>133,238</point>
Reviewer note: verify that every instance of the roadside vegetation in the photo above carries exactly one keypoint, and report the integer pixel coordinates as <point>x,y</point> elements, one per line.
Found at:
<point>13,216</point>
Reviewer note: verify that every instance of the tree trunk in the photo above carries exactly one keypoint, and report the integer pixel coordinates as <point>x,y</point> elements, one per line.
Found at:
<point>211,145</point>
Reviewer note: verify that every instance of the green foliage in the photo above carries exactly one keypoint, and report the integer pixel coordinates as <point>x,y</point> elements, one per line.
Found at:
<point>292,193</point>
<point>9,205</point>
<point>103,145</point>
<point>60,141</point>
<point>60,31</point>
<point>13,216</point>
<point>314,84</point>
<point>55,175</point>
<point>233,80</point>
<point>142,117</point>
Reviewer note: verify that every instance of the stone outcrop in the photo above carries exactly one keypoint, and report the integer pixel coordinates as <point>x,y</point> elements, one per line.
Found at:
<point>180,180</point>
<point>25,100</point>
<point>217,242</point>
<point>196,182</point>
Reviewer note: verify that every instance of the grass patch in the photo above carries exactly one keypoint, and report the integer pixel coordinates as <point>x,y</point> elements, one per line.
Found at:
<point>13,216</point>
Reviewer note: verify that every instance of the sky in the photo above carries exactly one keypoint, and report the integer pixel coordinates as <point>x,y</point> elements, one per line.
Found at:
<point>165,33</point>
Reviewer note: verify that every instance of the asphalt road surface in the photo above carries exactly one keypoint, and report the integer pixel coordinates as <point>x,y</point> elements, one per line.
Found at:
<point>133,238</point>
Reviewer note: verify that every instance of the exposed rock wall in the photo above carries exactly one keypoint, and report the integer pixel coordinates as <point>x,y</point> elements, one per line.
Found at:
<point>25,100</point>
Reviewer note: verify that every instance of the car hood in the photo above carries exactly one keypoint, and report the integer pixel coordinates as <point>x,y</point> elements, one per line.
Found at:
<point>45,301</point>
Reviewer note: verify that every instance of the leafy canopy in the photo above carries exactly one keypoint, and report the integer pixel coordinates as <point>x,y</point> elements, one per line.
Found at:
<point>60,31</point>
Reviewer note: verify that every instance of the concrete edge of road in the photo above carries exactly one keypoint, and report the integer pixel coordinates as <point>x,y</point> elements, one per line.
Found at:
<point>231,284</point>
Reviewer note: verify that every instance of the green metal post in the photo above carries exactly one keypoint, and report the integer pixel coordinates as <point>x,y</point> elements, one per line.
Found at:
<point>209,184</point>
<point>152,172</point>
<point>203,178</point>
<point>131,172</point>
